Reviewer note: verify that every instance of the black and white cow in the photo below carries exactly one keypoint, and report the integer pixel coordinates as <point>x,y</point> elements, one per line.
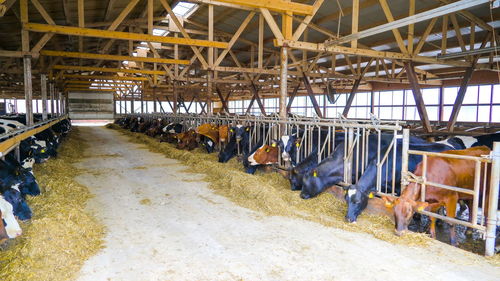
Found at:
<point>357,195</point>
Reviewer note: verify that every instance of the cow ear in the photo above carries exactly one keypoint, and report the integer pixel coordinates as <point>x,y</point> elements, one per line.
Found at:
<point>419,206</point>
<point>388,201</point>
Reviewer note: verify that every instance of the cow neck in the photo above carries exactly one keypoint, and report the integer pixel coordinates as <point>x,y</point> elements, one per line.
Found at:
<point>412,191</point>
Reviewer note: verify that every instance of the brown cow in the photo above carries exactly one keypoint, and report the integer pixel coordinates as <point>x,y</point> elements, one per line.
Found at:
<point>442,170</point>
<point>187,140</point>
<point>265,155</point>
<point>223,136</point>
<point>210,131</point>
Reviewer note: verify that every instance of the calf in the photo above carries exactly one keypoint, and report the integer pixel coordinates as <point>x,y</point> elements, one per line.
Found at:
<point>296,174</point>
<point>11,226</point>
<point>357,195</point>
<point>442,170</point>
<point>208,136</point>
<point>170,132</point>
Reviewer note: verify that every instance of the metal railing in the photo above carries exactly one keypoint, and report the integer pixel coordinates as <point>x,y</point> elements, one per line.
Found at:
<point>487,227</point>
<point>12,139</point>
<point>314,133</point>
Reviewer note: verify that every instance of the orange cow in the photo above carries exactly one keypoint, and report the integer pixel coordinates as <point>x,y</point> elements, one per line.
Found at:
<point>442,170</point>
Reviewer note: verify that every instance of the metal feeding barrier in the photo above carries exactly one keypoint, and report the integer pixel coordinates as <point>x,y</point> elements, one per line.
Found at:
<point>314,134</point>
<point>11,140</point>
<point>485,221</point>
<point>322,133</point>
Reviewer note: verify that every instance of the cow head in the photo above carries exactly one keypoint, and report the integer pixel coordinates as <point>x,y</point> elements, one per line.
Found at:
<point>28,185</point>
<point>288,146</point>
<point>295,180</point>
<point>10,224</point>
<point>240,132</point>
<point>404,209</point>
<point>312,184</point>
<point>264,155</point>
<point>357,200</point>
<point>19,205</point>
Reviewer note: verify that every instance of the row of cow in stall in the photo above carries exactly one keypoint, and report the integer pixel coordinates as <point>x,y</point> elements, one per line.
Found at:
<point>17,180</point>
<point>311,177</point>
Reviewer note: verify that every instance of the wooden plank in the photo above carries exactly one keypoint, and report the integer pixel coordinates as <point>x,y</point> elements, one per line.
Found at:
<point>42,12</point>
<point>417,94</point>
<point>280,6</point>
<point>103,77</point>
<point>272,24</point>
<point>458,34</point>
<point>310,93</point>
<point>261,42</point>
<point>444,34</point>
<point>110,57</point>
<point>320,47</point>
<point>350,99</point>
<point>196,51</point>
<point>303,25</point>
<point>123,14</point>
<point>355,21</point>
<point>424,36</point>
<point>292,97</point>
<point>89,32</point>
<point>411,27</point>
<point>236,35</point>
<point>104,69</point>
<point>390,18</point>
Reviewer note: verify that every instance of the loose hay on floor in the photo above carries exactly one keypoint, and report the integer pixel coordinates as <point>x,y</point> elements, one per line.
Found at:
<point>61,235</point>
<point>271,194</point>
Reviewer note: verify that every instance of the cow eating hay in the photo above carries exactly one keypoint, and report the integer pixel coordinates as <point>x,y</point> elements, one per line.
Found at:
<point>62,234</point>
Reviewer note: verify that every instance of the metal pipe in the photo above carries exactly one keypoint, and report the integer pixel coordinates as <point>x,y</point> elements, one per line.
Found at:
<point>43,82</point>
<point>404,158</point>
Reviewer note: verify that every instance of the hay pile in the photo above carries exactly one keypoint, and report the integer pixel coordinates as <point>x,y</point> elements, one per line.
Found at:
<point>270,193</point>
<point>61,235</point>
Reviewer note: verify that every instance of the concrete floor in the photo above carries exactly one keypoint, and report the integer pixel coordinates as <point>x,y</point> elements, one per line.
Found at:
<point>164,225</point>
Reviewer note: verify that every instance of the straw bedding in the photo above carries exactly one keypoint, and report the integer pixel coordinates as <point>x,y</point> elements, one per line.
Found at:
<point>62,234</point>
<point>270,193</point>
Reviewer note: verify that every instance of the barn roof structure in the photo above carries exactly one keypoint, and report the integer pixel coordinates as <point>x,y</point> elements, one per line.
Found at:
<point>210,50</point>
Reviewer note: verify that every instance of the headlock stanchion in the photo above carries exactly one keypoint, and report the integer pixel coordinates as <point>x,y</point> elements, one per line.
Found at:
<point>325,136</point>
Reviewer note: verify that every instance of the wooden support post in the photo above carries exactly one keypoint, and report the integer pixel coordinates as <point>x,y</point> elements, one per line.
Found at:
<point>43,81</point>
<point>311,95</point>
<point>28,90</point>
<point>81,23</point>
<point>355,20</point>
<point>176,97</point>
<point>350,99</point>
<point>283,82</point>
<point>261,41</point>
<point>222,99</point>
<point>154,99</point>
<point>417,94</point>
<point>59,103</point>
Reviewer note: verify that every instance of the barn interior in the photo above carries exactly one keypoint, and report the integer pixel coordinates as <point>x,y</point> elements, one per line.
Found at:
<point>427,69</point>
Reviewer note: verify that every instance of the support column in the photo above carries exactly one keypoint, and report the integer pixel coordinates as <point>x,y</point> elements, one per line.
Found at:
<point>176,97</point>
<point>44,96</point>
<point>52,90</point>
<point>28,90</point>
<point>209,92</point>
<point>59,103</point>
<point>283,81</point>
<point>154,99</point>
<point>132,107</point>
<point>142,101</point>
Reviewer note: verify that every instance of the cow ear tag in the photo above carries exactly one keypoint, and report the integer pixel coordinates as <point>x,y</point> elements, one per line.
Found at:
<point>315,174</point>
<point>297,144</point>
<point>273,144</point>
<point>370,195</point>
<point>267,149</point>
<point>388,204</point>
<point>421,208</point>
<point>231,130</point>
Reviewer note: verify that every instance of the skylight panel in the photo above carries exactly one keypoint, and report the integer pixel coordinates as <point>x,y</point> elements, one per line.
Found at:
<point>184,9</point>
